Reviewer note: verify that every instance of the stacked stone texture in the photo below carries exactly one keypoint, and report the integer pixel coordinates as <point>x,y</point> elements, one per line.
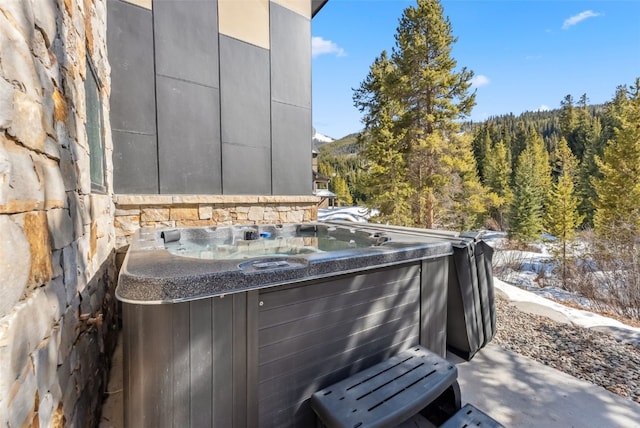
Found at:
<point>57,238</point>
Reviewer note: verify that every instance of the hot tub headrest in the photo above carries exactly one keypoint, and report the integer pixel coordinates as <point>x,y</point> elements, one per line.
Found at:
<point>251,235</point>
<point>170,235</point>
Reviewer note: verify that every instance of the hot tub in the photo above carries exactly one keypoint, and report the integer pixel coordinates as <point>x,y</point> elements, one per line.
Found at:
<point>238,326</point>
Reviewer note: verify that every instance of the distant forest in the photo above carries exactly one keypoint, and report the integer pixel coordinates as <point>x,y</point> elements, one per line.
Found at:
<point>497,145</point>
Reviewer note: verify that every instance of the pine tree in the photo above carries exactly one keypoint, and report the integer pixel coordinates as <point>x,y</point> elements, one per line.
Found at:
<point>589,171</point>
<point>526,209</point>
<point>532,183</point>
<point>521,134</point>
<point>542,170</point>
<point>612,114</point>
<point>466,200</point>
<point>325,168</point>
<point>481,146</point>
<point>498,180</point>
<point>388,189</point>
<point>617,217</point>
<point>562,218</point>
<point>581,133</point>
<point>343,196</point>
<point>411,102</point>
<point>568,120</point>
<point>386,181</point>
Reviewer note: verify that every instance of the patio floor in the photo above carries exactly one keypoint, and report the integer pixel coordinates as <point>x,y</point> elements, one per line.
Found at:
<point>520,392</point>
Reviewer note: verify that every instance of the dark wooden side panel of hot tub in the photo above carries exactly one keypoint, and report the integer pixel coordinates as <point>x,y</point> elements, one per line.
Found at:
<point>191,364</point>
<point>433,305</point>
<point>314,335</point>
<point>254,358</point>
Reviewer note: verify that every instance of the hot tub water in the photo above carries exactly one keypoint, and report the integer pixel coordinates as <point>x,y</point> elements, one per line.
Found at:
<point>230,243</point>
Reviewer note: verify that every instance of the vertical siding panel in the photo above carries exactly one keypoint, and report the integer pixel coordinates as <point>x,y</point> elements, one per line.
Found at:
<point>433,305</point>
<point>252,358</point>
<point>245,96</point>
<point>181,365</point>
<point>153,334</point>
<point>128,367</point>
<point>239,360</point>
<point>200,338</point>
<point>222,361</point>
<point>291,128</point>
<point>132,98</point>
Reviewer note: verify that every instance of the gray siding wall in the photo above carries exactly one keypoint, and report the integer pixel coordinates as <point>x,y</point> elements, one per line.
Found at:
<point>198,112</point>
<point>188,99</point>
<point>133,112</point>
<point>290,101</point>
<point>246,124</point>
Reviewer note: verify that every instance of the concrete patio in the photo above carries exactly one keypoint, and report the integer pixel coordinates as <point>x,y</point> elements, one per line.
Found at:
<point>520,392</point>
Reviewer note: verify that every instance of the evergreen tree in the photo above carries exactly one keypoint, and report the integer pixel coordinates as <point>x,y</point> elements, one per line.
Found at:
<point>326,168</point>
<point>542,167</point>
<point>381,141</point>
<point>521,134</point>
<point>386,181</point>
<point>568,119</point>
<point>481,147</point>
<point>411,103</point>
<point>617,217</point>
<point>466,201</point>
<point>343,196</point>
<point>589,171</point>
<point>526,210</point>
<point>498,180</point>
<point>612,114</point>
<point>562,216</point>
<point>581,133</point>
<point>530,188</point>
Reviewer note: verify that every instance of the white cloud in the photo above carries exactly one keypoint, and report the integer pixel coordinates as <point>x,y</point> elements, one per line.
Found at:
<point>479,80</point>
<point>544,107</point>
<point>575,19</point>
<point>320,46</point>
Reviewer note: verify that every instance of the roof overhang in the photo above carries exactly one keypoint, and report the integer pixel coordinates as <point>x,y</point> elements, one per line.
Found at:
<point>316,5</point>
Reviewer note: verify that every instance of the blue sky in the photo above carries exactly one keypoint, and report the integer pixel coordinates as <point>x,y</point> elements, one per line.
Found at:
<point>526,55</point>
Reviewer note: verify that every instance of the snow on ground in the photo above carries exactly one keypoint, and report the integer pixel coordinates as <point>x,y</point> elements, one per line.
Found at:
<point>356,214</point>
<point>523,272</point>
<point>579,317</point>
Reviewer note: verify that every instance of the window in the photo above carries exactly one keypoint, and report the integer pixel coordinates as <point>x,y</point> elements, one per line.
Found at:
<point>94,128</point>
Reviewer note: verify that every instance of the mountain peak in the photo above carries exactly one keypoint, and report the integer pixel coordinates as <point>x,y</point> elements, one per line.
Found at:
<point>320,139</point>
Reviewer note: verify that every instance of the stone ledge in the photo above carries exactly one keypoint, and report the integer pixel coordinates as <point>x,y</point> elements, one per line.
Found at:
<point>139,200</point>
<point>126,200</point>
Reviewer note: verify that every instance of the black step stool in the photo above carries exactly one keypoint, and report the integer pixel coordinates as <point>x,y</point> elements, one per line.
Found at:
<point>388,393</point>
<point>468,417</point>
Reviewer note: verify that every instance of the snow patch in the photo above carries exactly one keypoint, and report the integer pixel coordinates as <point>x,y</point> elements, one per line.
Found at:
<point>321,138</point>
<point>523,272</point>
<point>577,316</point>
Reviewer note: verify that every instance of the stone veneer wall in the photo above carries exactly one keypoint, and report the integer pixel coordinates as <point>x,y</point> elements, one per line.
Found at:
<point>136,211</point>
<point>57,270</point>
